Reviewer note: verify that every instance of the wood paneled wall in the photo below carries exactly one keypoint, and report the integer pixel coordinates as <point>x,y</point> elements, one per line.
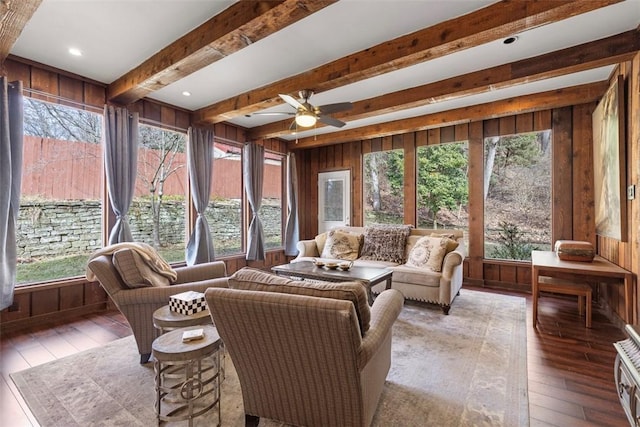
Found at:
<point>573,217</point>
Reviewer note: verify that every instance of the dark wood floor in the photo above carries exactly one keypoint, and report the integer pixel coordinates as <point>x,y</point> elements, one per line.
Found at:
<point>570,367</point>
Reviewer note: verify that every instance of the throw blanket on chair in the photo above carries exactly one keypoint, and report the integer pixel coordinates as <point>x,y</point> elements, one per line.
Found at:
<point>146,252</point>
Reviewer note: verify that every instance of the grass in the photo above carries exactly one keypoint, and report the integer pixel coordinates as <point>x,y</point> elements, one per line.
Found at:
<point>44,270</point>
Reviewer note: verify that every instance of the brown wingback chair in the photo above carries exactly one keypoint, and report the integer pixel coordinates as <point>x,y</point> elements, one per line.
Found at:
<point>302,359</point>
<point>138,304</point>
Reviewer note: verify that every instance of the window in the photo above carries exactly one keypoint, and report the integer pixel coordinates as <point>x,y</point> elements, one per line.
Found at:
<point>271,209</point>
<point>224,213</point>
<point>157,213</point>
<point>59,222</point>
<point>384,187</point>
<point>517,194</point>
<point>442,186</point>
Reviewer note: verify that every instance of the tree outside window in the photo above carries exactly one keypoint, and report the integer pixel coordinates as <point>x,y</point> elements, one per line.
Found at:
<point>517,195</point>
<point>443,191</point>
<point>384,187</point>
<point>157,213</point>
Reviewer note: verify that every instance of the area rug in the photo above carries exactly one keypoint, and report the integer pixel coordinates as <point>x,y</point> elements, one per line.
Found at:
<point>465,369</point>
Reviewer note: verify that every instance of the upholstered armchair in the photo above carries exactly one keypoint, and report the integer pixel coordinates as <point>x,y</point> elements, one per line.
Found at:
<point>303,359</point>
<point>138,301</point>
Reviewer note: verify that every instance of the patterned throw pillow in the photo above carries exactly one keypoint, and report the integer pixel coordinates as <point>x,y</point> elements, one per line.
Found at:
<point>385,243</point>
<point>428,252</point>
<point>341,245</point>
<point>134,271</point>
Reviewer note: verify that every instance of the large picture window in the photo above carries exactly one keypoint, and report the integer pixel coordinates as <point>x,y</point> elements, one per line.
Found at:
<point>224,213</point>
<point>517,194</point>
<point>157,213</point>
<point>384,187</point>
<point>59,223</point>
<point>442,186</point>
<point>271,209</point>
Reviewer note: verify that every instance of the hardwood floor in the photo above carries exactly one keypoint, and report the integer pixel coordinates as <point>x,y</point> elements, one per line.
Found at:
<point>570,367</point>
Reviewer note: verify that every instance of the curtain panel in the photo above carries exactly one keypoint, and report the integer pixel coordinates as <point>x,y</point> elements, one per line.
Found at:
<point>253,175</point>
<point>291,231</point>
<point>11,145</point>
<point>200,163</point>
<point>121,162</point>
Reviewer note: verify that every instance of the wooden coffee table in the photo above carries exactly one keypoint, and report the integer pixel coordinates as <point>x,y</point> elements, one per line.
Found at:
<point>370,276</point>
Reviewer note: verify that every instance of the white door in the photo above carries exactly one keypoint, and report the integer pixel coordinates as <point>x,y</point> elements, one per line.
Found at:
<point>334,199</point>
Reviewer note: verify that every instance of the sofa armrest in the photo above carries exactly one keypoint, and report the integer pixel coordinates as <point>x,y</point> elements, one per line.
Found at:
<point>307,248</point>
<point>199,272</point>
<point>384,312</point>
<point>452,260</point>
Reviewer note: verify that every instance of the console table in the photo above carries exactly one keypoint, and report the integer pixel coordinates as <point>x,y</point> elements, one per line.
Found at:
<point>547,263</point>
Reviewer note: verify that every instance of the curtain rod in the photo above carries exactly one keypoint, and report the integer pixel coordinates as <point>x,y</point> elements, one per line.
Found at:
<point>61,98</point>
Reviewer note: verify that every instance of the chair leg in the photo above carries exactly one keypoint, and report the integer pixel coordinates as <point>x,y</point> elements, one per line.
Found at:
<point>588,304</point>
<point>251,420</point>
<point>445,308</point>
<point>144,358</point>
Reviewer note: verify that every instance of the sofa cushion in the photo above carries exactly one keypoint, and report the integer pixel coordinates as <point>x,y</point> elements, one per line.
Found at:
<point>385,243</point>
<point>340,245</point>
<point>253,279</point>
<point>416,276</point>
<point>428,252</point>
<point>134,270</point>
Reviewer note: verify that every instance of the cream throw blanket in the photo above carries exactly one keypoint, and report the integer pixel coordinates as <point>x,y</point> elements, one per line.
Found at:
<point>146,252</point>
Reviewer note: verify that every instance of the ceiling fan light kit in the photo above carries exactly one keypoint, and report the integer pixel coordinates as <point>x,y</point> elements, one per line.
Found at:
<point>305,119</point>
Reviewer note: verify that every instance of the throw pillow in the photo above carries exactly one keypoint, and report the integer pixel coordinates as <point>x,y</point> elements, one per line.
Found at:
<point>341,245</point>
<point>252,279</point>
<point>134,270</point>
<point>452,243</point>
<point>321,239</point>
<point>385,243</point>
<point>428,252</point>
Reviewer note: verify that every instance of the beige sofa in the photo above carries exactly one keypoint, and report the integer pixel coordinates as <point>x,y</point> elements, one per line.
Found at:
<point>415,283</point>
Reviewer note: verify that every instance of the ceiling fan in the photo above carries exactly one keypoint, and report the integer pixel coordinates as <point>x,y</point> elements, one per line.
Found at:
<point>307,115</point>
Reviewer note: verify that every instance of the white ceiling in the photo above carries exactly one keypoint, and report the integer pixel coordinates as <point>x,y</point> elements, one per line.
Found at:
<point>117,35</point>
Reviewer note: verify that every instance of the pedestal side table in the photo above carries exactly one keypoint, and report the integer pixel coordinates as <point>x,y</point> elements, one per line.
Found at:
<point>166,320</point>
<point>187,375</point>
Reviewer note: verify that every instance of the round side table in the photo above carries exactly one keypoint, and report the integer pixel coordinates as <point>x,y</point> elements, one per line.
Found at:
<point>166,320</point>
<point>187,375</point>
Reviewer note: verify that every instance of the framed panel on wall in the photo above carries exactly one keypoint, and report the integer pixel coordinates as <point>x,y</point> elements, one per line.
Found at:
<point>609,163</point>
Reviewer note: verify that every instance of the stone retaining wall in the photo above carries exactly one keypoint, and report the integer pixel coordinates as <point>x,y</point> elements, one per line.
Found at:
<point>48,229</point>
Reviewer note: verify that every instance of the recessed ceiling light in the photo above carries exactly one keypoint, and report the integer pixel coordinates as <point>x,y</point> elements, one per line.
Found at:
<point>186,93</point>
<point>510,40</point>
<point>75,51</point>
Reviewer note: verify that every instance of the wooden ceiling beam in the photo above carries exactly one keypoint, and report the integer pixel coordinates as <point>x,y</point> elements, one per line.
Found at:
<point>493,22</point>
<point>522,104</point>
<point>237,27</point>
<point>607,51</point>
<point>14,15</point>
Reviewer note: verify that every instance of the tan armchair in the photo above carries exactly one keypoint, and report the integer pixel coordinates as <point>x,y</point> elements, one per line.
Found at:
<point>302,360</point>
<point>138,304</point>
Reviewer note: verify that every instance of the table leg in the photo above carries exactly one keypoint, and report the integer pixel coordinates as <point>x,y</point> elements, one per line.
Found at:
<point>534,291</point>
<point>628,298</point>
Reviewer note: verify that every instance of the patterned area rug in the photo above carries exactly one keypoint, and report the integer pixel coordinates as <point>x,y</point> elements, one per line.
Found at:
<point>465,369</point>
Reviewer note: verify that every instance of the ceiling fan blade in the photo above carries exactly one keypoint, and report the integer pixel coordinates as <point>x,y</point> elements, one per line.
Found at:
<point>328,120</point>
<point>274,113</point>
<point>292,101</point>
<point>334,108</point>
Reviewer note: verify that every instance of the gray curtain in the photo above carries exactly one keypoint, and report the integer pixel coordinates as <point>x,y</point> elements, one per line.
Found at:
<point>200,158</point>
<point>291,233</point>
<point>253,175</point>
<point>11,141</point>
<point>121,160</point>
